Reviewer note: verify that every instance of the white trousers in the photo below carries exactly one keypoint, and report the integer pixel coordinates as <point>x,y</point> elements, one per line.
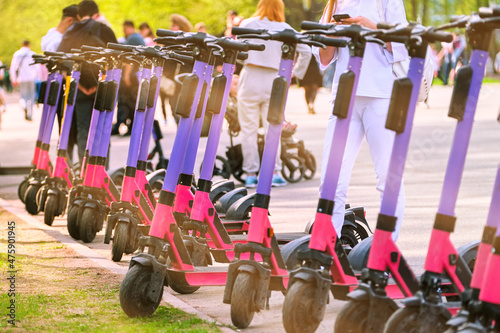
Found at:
<point>254,93</point>
<point>368,120</point>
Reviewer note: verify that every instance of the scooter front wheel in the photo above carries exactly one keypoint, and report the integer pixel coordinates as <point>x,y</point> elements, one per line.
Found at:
<point>73,222</point>
<point>86,224</point>
<point>407,319</point>
<point>298,315</point>
<point>242,300</point>
<point>120,239</point>
<point>352,317</point>
<point>50,210</point>
<point>30,199</point>
<point>134,292</point>
<point>21,190</point>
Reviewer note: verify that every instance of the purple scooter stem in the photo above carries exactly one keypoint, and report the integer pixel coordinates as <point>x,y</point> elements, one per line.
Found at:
<point>137,126</point>
<point>68,114</point>
<point>216,128</point>
<point>401,144</point>
<point>45,110</point>
<point>462,136</point>
<point>183,134</point>
<point>148,122</point>
<point>108,116</point>
<point>273,139</point>
<point>194,137</point>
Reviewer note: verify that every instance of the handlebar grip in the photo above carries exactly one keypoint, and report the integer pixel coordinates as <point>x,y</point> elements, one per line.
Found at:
<point>386,25</point>
<point>183,58</point>
<point>120,47</point>
<point>167,33</point>
<point>246,31</point>
<point>256,47</point>
<point>35,56</point>
<point>53,54</point>
<point>76,51</point>
<point>440,36</point>
<point>91,48</point>
<point>336,42</point>
<point>485,12</point>
<point>309,25</point>
<point>393,38</point>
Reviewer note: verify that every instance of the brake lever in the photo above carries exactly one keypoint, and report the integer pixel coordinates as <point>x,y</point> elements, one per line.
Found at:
<point>375,40</point>
<point>313,43</point>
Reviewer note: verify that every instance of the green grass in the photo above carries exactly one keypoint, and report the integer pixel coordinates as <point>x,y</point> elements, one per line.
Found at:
<point>438,82</point>
<point>94,310</point>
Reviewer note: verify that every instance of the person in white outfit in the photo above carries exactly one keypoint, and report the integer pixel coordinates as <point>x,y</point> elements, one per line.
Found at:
<point>255,83</point>
<point>24,76</point>
<point>51,41</point>
<point>372,97</point>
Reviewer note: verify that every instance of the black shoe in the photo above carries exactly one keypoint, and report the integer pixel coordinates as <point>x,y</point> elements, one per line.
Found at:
<point>114,130</point>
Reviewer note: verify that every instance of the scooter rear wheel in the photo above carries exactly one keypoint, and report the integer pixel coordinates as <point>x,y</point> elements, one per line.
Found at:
<point>133,292</point>
<point>242,300</point>
<point>30,199</point>
<point>352,317</point>
<point>50,210</point>
<point>86,224</point>
<point>407,320</point>
<point>120,239</point>
<point>310,163</point>
<point>298,316</point>
<point>73,222</point>
<point>21,190</point>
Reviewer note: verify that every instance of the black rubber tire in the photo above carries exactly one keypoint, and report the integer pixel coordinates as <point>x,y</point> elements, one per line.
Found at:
<point>30,199</point>
<point>86,224</point>
<point>133,244</point>
<point>310,162</point>
<point>352,317</point>
<point>407,320</point>
<point>297,308</point>
<point>469,253</point>
<point>120,240</point>
<point>50,209</point>
<point>73,222</point>
<point>133,292</point>
<point>293,168</point>
<point>242,299</point>
<point>351,236</point>
<point>22,188</point>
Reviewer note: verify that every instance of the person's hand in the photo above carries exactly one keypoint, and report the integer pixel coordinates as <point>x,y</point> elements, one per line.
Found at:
<point>361,20</point>
<point>88,91</point>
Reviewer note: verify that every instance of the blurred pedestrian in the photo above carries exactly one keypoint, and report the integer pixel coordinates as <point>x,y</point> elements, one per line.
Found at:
<point>311,82</point>
<point>129,83</point>
<point>51,41</point>
<point>200,27</point>
<point>24,76</point>
<point>85,32</point>
<point>255,83</point>
<point>147,34</point>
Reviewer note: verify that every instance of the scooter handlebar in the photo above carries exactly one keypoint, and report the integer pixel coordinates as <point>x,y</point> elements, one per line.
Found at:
<point>120,47</point>
<point>386,25</point>
<point>54,54</point>
<point>485,12</point>
<point>91,48</point>
<point>439,36</point>
<point>335,42</point>
<point>167,33</point>
<point>309,25</point>
<point>246,31</point>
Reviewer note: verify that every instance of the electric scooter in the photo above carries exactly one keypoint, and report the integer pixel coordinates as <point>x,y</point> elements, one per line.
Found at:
<point>42,166</point>
<point>325,261</point>
<point>370,306</point>
<point>53,195</point>
<point>89,203</point>
<point>249,281</point>
<point>426,312</point>
<point>137,202</point>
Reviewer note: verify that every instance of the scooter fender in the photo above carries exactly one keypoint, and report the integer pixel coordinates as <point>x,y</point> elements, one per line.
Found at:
<point>322,287</point>
<point>159,272</point>
<point>258,271</point>
<point>219,189</point>
<point>237,211</point>
<point>381,306</point>
<point>226,200</point>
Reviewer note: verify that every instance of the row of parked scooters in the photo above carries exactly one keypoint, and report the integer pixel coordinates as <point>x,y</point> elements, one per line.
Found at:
<point>188,227</point>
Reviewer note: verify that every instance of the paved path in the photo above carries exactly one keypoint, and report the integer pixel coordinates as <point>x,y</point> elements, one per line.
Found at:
<point>292,206</point>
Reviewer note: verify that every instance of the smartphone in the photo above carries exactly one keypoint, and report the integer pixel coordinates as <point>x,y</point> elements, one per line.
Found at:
<point>340,17</point>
